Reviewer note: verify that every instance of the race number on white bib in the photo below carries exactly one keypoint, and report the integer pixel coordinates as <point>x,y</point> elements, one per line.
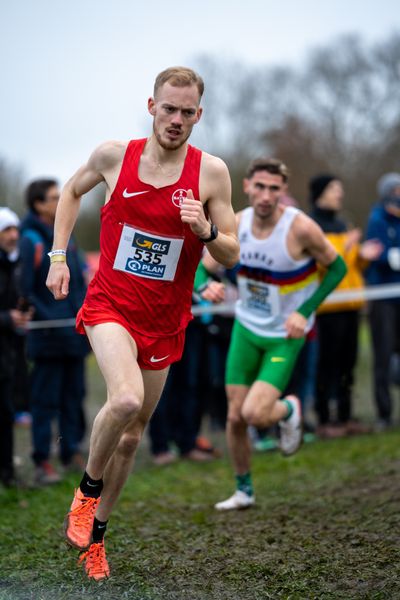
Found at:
<point>259,297</point>
<point>147,255</point>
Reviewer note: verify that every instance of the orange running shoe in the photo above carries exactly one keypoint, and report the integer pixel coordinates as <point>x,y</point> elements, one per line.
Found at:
<point>96,565</point>
<point>78,523</point>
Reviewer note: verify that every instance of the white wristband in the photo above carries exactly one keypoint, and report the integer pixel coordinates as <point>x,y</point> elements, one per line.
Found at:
<point>57,253</point>
<point>394,258</point>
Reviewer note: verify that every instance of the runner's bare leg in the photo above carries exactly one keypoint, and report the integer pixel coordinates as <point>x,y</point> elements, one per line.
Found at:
<point>116,355</point>
<point>120,464</point>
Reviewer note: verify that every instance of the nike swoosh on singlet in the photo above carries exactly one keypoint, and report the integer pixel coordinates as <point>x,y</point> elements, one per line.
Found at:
<point>278,359</point>
<point>127,194</point>
<point>154,359</point>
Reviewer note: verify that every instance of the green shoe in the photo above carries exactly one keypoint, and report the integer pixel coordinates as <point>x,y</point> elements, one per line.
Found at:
<point>266,444</point>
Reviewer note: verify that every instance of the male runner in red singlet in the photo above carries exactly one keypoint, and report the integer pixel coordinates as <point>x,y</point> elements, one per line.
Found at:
<point>165,199</point>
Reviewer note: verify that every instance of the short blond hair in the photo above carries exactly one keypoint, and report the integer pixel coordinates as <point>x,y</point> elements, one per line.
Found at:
<point>179,77</point>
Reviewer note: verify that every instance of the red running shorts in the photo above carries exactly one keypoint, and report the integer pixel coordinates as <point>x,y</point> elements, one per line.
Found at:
<point>153,353</point>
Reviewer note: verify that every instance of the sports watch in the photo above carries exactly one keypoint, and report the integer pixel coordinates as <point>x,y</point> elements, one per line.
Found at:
<point>213,234</point>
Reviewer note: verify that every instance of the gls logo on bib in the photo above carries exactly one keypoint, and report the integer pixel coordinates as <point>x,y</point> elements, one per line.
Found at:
<point>150,243</point>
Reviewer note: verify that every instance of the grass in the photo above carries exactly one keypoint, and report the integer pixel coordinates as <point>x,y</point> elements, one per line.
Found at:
<point>326,525</point>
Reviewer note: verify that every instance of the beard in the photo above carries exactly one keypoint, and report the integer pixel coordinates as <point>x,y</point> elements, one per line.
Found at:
<point>265,213</point>
<point>170,144</point>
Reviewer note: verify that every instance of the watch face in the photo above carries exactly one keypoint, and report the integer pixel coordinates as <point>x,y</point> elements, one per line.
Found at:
<point>213,234</point>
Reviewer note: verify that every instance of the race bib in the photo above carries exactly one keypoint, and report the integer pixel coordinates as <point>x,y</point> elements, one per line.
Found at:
<point>147,255</point>
<point>259,297</point>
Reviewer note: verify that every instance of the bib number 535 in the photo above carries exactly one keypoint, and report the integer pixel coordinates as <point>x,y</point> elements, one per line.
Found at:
<point>146,256</point>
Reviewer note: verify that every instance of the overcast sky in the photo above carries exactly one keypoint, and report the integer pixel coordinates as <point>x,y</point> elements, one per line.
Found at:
<point>76,73</point>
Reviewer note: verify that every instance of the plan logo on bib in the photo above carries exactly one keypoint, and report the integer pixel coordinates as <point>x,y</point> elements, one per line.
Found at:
<point>178,197</point>
<point>145,269</point>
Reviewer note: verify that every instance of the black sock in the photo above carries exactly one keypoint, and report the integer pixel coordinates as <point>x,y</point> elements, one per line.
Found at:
<point>91,487</point>
<point>99,529</point>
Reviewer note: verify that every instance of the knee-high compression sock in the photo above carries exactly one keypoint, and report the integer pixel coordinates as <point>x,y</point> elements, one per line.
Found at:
<point>91,487</point>
<point>289,407</point>
<point>99,529</point>
<point>245,484</point>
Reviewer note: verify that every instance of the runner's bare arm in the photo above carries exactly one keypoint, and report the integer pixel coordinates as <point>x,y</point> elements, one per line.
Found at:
<point>313,242</point>
<point>99,166</point>
<point>210,264</point>
<point>215,189</point>
<point>208,261</point>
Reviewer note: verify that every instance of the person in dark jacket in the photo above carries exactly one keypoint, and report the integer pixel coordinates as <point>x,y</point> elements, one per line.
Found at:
<point>384,314</point>
<point>58,353</point>
<point>12,320</point>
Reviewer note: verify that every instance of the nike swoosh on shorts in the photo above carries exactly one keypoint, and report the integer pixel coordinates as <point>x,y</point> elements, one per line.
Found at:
<point>153,359</point>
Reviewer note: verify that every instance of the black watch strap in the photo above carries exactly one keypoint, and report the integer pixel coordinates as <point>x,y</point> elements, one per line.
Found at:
<point>212,236</point>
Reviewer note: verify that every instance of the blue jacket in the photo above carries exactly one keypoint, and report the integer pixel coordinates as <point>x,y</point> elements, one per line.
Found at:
<point>385,228</point>
<point>36,242</point>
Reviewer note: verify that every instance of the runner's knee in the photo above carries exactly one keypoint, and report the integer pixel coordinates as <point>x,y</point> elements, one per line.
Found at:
<point>125,406</point>
<point>235,420</point>
<point>256,417</point>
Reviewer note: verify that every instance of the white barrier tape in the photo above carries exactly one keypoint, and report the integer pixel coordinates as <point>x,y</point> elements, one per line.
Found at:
<point>373,292</point>
<point>51,324</point>
<point>224,308</point>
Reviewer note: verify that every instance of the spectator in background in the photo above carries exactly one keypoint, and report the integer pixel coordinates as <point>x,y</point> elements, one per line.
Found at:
<point>218,336</point>
<point>218,328</point>
<point>337,324</point>
<point>21,393</point>
<point>177,417</point>
<point>58,353</point>
<point>177,414</point>
<point>12,320</point>
<point>384,315</point>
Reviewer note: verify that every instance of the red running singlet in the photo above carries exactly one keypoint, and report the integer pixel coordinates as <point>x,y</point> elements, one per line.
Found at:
<point>148,257</point>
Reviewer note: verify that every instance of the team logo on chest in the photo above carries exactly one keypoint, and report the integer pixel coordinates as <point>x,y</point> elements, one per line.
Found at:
<point>178,197</point>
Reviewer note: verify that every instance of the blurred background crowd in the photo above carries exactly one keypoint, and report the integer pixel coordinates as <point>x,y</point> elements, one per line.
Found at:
<point>43,359</point>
